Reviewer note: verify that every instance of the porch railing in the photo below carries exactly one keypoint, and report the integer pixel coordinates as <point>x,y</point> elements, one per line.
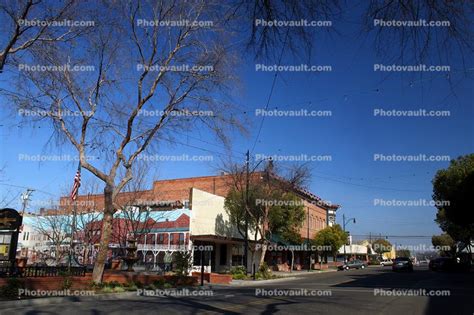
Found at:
<point>43,271</point>
<point>161,247</point>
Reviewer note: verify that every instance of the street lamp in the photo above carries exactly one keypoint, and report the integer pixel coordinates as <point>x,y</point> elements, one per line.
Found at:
<point>344,222</point>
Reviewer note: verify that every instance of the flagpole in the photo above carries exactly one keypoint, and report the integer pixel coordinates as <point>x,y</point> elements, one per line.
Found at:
<point>74,213</point>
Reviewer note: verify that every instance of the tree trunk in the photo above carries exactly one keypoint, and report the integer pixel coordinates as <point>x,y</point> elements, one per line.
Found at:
<point>292,260</point>
<point>58,255</point>
<point>107,220</point>
<point>262,257</point>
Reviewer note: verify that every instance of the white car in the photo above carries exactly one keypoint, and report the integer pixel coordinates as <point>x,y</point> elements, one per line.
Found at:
<point>386,262</point>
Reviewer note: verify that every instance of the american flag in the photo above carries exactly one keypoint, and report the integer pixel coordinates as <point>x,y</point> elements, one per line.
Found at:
<point>77,183</point>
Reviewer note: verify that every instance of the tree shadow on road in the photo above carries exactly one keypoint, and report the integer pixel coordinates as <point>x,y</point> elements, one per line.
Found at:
<point>458,287</point>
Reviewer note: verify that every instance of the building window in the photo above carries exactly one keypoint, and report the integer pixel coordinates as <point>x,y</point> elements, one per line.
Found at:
<point>161,238</point>
<point>223,254</point>
<point>237,255</point>
<point>171,238</point>
<point>181,238</point>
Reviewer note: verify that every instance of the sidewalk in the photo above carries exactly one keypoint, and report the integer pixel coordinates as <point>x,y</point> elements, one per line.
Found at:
<point>282,276</point>
<point>300,273</point>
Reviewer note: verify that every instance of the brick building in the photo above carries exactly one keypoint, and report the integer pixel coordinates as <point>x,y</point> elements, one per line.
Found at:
<point>176,196</point>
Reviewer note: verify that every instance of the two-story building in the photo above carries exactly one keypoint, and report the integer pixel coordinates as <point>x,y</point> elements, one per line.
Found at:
<point>189,213</point>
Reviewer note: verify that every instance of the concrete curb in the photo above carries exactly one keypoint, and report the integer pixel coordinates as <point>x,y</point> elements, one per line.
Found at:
<point>251,283</point>
<point>9,304</point>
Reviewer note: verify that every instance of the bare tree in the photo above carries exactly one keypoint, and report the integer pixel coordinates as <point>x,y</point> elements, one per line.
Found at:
<point>30,25</point>
<point>418,44</point>
<point>5,196</point>
<point>84,236</point>
<point>265,40</point>
<point>57,229</point>
<point>134,216</point>
<point>179,73</point>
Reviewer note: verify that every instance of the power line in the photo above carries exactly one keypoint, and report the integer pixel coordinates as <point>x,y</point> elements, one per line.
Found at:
<point>381,235</point>
<point>271,90</point>
<point>24,187</point>
<point>372,187</point>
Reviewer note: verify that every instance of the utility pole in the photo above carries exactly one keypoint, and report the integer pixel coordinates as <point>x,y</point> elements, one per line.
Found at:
<point>25,197</point>
<point>247,183</point>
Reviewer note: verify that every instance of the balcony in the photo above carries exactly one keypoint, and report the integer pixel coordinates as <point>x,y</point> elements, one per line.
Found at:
<point>161,247</point>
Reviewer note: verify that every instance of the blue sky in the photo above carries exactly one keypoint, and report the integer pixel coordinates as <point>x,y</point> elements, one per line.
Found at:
<point>351,136</point>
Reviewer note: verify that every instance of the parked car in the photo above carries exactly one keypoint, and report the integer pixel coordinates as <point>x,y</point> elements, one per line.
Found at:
<point>402,263</point>
<point>423,262</point>
<point>386,262</point>
<point>353,264</point>
<point>448,264</point>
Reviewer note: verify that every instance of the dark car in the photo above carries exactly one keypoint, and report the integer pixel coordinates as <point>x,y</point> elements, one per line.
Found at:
<point>402,264</point>
<point>448,264</point>
<point>440,263</point>
<point>353,264</point>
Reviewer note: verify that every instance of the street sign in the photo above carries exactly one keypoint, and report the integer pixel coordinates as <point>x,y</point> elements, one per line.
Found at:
<point>10,219</point>
<point>10,222</point>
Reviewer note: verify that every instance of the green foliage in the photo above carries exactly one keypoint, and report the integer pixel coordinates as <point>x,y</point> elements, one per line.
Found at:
<point>452,191</point>
<point>129,286</point>
<point>286,220</point>
<point>67,279</point>
<point>264,272</point>
<point>238,273</point>
<point>332,237</point>
<point>159,283</point>
<point>11,288</point>
<point>403,253</point>
<point>235,205</point>
<point>445,244</point>
<point>183,263</point>
<point>381,246</point>
<point>283,216</point>
<point>67,283</point>
<point>113,284</point>
<point>118,289</point>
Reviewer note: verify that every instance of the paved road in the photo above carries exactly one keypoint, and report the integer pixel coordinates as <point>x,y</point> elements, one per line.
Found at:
<point>352,292</point>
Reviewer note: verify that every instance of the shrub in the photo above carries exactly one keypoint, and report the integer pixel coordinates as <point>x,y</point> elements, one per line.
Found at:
<point>67,280</point>
<point>238,273</point>
<point>67,283</point>
<point>264,271</point>
<point>11,289</point>
<point>107,290</point>
<point>183,263</point>
<point>114,284</point>
<point>131,286</point>
<point>118,289</point>
<point>159,283</point>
